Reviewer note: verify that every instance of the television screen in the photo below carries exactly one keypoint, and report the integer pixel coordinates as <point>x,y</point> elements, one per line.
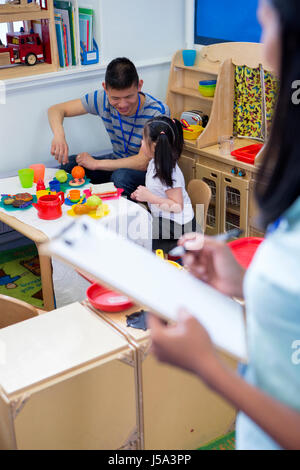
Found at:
<point>224,21</point>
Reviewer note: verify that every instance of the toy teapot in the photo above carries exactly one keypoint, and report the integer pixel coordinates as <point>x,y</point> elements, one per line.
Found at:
<point>49,207</point>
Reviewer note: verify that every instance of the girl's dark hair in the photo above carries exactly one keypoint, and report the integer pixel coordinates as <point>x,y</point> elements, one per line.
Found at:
<point>168,136</point>
<point>278,183</point>
<point>121,74</point>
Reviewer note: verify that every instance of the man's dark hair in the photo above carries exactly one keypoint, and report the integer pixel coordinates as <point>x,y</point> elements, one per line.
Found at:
<point>121,74</point>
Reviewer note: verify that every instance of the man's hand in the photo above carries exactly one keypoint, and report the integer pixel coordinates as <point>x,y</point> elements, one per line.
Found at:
<point>87,161</point>
<point>60,149</point>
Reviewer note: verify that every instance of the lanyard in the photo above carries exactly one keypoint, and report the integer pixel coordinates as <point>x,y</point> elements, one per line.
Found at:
<point>274,226</point>
<point>126,144</point>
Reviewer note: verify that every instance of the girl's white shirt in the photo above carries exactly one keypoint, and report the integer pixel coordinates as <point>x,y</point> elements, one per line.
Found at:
<point>157,188</point>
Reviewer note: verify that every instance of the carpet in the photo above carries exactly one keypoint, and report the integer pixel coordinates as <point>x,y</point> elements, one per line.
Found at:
<point>226,442</point>
<point>20,275</point>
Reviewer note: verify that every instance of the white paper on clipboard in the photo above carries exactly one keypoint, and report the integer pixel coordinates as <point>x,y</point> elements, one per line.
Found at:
<point>128,268</point>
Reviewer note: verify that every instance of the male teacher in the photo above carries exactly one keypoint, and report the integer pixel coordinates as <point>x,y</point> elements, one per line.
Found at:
<point>124,110</point>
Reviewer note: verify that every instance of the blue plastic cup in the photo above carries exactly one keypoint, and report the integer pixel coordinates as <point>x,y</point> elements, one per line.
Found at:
<point>54,185</point>
<point>189,56</point>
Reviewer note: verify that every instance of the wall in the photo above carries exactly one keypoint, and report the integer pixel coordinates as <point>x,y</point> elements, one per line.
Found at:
<point>148,32</point>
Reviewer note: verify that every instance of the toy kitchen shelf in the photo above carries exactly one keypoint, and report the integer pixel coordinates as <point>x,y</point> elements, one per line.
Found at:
<point>231,181</point>
<point>24,11</point>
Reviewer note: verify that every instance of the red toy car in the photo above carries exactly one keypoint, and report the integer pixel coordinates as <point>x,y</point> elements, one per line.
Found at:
<point>25,48</point>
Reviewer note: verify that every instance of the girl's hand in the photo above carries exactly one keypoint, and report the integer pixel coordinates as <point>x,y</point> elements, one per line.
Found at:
<point>213,263</point>
<point>186,345</point>
<point>142,194</point>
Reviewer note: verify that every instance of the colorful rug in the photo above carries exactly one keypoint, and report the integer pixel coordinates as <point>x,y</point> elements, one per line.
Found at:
<point>226,442</point>
<point>20,275</point>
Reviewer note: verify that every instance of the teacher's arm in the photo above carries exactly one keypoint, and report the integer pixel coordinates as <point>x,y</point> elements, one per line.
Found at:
<point>56,116</point>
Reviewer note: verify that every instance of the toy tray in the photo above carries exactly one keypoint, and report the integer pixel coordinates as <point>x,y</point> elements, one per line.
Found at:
<point>11,208</point>
<point>95,214</point>
<point>107,300</point>
<point>109,197</point>
<point>65,186</point>
<point>244,249</point>
<point>247,154</point>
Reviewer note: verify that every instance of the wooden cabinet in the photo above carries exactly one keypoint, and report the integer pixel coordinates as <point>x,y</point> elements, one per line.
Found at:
<point>234,204</point>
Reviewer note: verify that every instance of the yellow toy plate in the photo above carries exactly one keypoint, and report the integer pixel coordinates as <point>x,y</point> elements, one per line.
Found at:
<point>100,212</point>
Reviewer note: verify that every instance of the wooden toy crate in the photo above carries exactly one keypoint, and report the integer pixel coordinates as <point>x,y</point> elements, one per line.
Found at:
<point>67,381</point>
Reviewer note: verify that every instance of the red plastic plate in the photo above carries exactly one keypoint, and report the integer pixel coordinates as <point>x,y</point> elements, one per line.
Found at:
<point>107,300</point>
<point>244,249</point>
<point>247,154</point>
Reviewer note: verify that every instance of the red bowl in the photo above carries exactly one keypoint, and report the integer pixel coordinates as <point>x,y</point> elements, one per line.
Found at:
<point>107,300</point>
<point>244,249</point>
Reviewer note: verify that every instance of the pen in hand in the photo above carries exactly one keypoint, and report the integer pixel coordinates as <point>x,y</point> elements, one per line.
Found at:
<point>223,237</point>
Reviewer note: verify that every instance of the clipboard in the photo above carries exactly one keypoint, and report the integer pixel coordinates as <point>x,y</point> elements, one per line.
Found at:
<point>126,267</point>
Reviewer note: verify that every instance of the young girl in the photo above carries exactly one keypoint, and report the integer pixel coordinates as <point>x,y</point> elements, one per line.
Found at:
<point>268,396</point>
<point>165,191</point>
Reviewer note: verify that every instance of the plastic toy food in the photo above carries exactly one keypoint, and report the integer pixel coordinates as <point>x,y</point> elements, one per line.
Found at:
<point>78,172</point>
<point>94,201</point>
<point>61,176</point>
<point>81,209</point>
<point>77,182</point>
<point>23,197</point>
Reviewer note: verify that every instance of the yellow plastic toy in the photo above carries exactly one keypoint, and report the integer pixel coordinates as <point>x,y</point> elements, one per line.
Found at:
<point>192,132</point>
<point>161,255</point>
<point>44,192</point>
<point>98,213</point>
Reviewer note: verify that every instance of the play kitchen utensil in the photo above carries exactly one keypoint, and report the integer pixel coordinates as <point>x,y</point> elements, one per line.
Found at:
<point>226,144</point>
<point>54,185</point>
<point>207,88</point>
<point>26,176</point>
<point>189,57</point>
<point>192,132</point>
<point>49,207</point>
<point>194,117</point>
<point>247,154</point>
<point>39,171</point>
<point>107,300</point>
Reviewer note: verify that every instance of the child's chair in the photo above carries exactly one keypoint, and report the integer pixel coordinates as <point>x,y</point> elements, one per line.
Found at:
<point>14,311</point>
<point>200,193</point>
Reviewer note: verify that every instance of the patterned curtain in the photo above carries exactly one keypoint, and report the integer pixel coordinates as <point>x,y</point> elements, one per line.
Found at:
<point>248,101</point>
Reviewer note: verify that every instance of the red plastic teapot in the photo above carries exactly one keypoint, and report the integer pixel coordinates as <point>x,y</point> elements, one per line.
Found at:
<point>49,207</point>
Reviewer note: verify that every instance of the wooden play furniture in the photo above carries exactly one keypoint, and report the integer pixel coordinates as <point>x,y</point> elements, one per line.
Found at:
<point>14,311</point>
<point>23,11</point>
<point>77,378</point>
<point>231,181</point>
<point>38,238</point>
<point>177,410</point>
<point>200,193</point>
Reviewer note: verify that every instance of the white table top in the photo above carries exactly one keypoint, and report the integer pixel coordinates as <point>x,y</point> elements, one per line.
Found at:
<point>52,344</point>
<point>119,208</point>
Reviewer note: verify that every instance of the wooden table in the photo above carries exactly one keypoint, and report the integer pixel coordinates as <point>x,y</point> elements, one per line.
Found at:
<point>38,238</point>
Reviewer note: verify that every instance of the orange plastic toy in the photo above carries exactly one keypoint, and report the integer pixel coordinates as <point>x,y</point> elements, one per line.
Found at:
<point>78,172</point>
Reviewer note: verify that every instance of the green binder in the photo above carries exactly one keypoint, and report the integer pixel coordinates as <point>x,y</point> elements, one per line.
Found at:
<point>65,5</point>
